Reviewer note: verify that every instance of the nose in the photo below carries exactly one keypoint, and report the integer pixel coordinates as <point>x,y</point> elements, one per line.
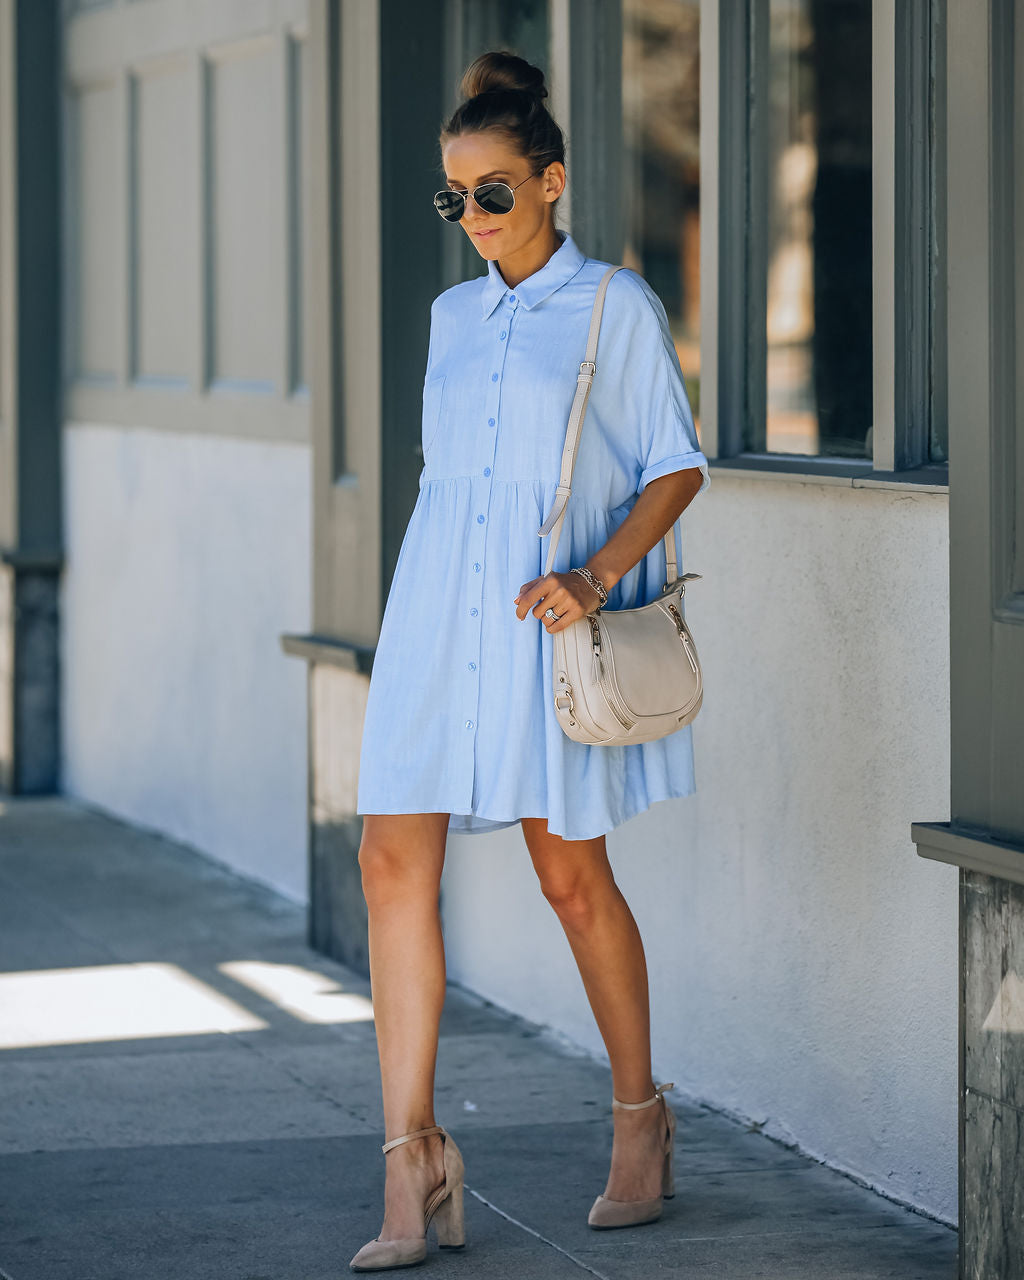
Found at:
<point>470,201</point>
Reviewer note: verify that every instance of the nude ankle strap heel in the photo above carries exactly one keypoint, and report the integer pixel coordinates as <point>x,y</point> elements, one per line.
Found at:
<point>631,1213</point>
<point>445,1209</point>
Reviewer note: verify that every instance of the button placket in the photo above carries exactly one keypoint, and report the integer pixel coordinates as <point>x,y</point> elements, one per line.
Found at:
<point>481,494</point>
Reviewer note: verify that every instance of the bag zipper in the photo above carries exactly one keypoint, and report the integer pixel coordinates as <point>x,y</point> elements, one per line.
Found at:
<point>611,696</point>
<point>684,637</point>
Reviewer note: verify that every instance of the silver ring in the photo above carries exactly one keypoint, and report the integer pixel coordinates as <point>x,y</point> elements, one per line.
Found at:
<point>550,613</point>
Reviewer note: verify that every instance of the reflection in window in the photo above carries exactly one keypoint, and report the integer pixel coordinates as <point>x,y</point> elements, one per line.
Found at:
<point>661,164</point>
<point>816,136</point>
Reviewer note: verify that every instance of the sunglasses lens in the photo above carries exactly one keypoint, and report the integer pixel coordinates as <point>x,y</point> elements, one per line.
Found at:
<point>495,197</point>
<point>450,205</point>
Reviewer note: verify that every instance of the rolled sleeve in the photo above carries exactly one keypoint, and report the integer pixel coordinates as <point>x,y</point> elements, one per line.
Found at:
<point>677,462</point>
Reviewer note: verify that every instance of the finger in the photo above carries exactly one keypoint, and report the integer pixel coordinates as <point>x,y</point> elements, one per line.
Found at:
<point>567,609</point>
<point>555,601</point>
<point>565,619</point>
<point>527,600</point>
<point>555,597</point>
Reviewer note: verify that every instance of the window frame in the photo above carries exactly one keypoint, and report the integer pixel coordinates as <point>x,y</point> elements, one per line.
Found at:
<point>908,238</point>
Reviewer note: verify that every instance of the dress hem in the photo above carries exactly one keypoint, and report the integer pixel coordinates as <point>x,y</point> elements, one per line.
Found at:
<point>500,823</point>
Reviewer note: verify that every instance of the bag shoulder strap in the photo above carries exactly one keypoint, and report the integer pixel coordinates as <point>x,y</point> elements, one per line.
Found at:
<point>588,368</point>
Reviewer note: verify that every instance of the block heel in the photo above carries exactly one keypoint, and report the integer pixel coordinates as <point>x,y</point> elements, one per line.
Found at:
<point>450,1220</point>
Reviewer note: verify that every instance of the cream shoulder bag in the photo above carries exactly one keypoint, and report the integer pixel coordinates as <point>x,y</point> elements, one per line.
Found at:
<point>628,675</point>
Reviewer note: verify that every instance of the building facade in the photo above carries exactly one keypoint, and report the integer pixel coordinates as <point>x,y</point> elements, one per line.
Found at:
<point>217,257</point>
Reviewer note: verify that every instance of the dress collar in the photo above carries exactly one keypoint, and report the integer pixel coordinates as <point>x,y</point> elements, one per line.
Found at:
<point>559,268</point>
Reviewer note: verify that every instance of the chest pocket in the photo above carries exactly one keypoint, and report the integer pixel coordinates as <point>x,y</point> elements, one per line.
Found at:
<point>433,403</point>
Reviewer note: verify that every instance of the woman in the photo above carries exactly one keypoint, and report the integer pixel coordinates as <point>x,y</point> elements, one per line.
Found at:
<point>460,732</point>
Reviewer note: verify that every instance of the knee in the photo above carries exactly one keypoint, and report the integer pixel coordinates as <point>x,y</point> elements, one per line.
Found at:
<point>389,873</point>
<point>574,898</point>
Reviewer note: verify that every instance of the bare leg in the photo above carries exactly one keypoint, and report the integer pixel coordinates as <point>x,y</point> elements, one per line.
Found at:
<point>401,857</point>
<point>576,878</point>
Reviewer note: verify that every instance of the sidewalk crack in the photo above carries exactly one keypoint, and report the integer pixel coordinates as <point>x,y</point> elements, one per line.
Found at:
<point>522,1225</point>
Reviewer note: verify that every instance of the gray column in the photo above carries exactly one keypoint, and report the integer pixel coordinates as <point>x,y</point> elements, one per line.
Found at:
<point>985,836</point>
<point>30,396</point>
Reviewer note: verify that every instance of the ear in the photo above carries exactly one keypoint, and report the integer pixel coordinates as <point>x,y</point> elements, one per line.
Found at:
<point>554,180</point>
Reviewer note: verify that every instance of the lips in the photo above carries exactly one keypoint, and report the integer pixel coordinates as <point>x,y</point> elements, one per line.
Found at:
<point>482,235</point>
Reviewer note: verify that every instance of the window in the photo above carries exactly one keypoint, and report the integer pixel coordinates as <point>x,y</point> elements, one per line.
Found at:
<point>825,276</point>
<point>661,165</point>
<point>810,203</point>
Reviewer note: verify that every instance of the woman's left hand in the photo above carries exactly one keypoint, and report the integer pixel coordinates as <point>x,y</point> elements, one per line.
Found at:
<point>569,594</point>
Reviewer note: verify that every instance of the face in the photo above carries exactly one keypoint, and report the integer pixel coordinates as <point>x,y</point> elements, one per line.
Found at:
<point>475,158</point>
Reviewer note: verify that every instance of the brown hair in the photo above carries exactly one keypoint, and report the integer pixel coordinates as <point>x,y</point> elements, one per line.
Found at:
<point>505,93</point>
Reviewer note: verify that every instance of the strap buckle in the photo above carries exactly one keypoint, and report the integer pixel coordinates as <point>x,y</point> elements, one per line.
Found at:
<point>588,364</point>
<point>679,583</point>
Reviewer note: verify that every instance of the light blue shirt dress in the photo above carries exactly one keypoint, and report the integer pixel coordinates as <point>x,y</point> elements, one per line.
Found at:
<point>460,714</point>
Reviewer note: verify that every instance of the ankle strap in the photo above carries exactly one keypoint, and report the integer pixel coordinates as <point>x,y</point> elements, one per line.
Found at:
<point>408,1137</point>
<point>639,1106</point>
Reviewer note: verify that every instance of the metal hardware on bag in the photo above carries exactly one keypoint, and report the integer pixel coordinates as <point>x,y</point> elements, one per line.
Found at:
<point>688,647</point>
<point>588,364</point>
<point>679,582</point>
<point>684,637</point>
<point>678,617</point>
<point>608,690</point>
<point>567,695</point>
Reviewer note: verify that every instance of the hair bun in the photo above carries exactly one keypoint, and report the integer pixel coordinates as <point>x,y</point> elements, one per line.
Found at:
<point>500,70</point>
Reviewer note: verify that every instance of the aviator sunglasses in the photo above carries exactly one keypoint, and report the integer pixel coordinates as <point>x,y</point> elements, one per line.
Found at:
<point>491,197</point>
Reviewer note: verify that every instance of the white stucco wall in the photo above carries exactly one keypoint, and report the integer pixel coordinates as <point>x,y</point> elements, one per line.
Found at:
<point>187,557</point>
<point>803,958</point>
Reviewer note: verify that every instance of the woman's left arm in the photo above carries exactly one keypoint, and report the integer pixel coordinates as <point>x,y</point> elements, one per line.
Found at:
<point>655,511</point>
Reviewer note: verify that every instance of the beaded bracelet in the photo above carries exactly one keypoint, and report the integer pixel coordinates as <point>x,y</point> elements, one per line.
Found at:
<point>596,583</point>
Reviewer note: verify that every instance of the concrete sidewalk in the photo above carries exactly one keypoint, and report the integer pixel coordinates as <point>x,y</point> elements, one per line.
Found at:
<point>189,1091</point>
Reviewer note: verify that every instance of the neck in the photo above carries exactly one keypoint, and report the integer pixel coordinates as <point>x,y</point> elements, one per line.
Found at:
<point>518,266</point>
